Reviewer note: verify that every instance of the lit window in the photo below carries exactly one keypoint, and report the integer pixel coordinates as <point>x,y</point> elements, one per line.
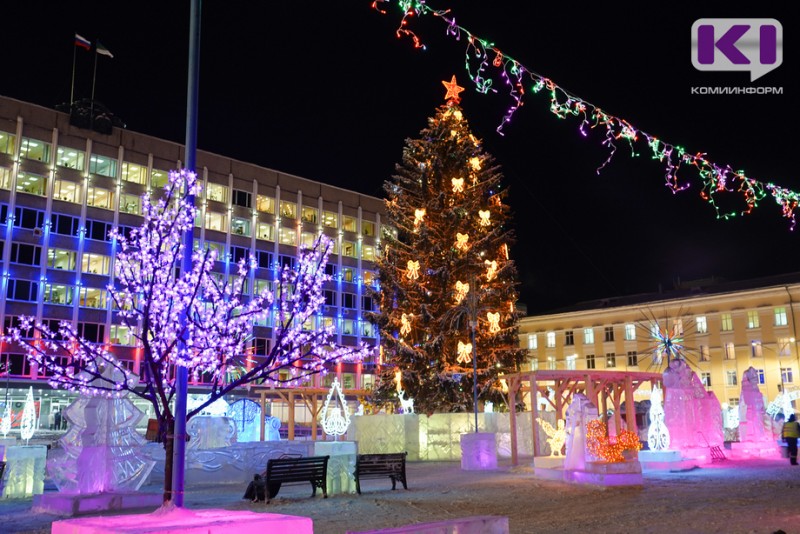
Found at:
<point>705,356</point>
<point>730,351</point>
<point>70,158</point>
<point>756,349</point>
<point>368,252</point>
<point>5,177</point>
<point>330,219</point>
<point>131,172</point>
<point>130,204</point>
<point>611,359</point>
<point>369,277</point>
<point>99,197</point>
<point>752,319</point>
<point>761,377</point>
<point>265,204</point>
<point>91,297</point>
<point>61,259</point>
<point>533,342</point>
<point>551,363</point>
<point>348,223</point>
<point>122,335</point>
<point>35,149</point>
<point>630,332</point>
<point>308,215</point>
<point>288,209</point>
<point>368,228</point>
<point>266,231</point>
<point>28,182</point>
<point>348,249</point>
<point>59,294</point>
<point>550,340</point>
<point>7,145</point>
<point>534,365</point>
<point>702,324</point>
<point>215,221</point>
<point>726,322</point>
<point>730,378</point>
<point>217,193</point>
<point>240,226</point>
<point>95,264</point>
<point>784,346</point>
<point>706,379</point>
<point>572,360</point>
<point>158,178</point>
<point>780,317</point>
<point>103,166</point>
<point>288,236</point>
<point>677,327</point>
<point>307,239</point>
<point>588,337</point>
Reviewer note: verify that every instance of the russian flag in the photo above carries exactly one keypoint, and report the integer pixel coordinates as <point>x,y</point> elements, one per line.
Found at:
<point>82,42</point>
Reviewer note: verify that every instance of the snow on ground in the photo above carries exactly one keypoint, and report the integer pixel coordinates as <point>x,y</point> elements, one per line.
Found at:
<point>733,496</point>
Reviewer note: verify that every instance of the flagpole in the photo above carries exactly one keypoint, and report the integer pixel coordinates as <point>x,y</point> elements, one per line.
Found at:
<point>72,87</point>
<point>94,79</point>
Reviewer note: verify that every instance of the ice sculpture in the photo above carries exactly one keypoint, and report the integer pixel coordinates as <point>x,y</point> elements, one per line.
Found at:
<point>657,433</point>
<point>210,432</point>
<point>219,407</point>
<point>579,413</point>
<point>101,450</point>
<point>246,414</point>
<point>24,473</point>
<point>752,425</point>
<point>692,414</point>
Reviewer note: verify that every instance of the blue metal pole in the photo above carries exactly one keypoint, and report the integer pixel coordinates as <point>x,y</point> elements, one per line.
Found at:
<point>181,373</point>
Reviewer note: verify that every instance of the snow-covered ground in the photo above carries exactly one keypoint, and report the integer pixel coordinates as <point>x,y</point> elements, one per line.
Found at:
<point>733,496</point>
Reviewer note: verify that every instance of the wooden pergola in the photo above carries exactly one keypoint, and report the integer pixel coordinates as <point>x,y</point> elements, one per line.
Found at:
<point>600,387</point>
<point>310,396</point>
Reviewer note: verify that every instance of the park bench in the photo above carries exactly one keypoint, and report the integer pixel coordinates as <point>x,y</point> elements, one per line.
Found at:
<point>392,465</point>
<point>313,469</point>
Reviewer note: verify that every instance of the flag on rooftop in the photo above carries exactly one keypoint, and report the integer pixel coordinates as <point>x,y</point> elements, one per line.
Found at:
<point>102,50</point>
<point>82,42</point>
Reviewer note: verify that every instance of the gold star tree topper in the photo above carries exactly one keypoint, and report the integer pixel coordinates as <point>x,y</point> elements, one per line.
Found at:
<point>453,90</point>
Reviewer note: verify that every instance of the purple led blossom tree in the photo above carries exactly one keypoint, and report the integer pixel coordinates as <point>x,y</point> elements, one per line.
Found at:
<point>152,295</point>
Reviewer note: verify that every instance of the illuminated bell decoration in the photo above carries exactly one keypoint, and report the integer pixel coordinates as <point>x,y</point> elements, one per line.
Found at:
<point>461,241</point>
<point>491,269</point>
<point>484,215</point>
<point>405,324</point>
<point>494,321</point>
<point>333,422</point>
<point>458,185</point>
<point>464,352</point>
<point>413,270</point>
<point>419,215</point>
<point>461,291</point>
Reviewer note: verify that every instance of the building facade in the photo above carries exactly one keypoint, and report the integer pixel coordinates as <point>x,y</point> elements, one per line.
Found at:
<point>62,188</point>
<point>724,329</point>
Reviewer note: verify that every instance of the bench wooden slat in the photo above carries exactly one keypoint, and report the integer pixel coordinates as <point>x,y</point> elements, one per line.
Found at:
<point>313,469</point>
<point>392,465</point>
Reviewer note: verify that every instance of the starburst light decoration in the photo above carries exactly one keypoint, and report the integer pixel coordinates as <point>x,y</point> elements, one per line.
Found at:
<point>413,269</point>
<point>27,425</point>
<point>458,185</point>
<point>405,324</point>
<point>494,321</point>
<point>461,291</point>
<point>491,269</point>
<point>484,216</point>
<point>336,419</point>
<point>464,352</point>
<point>461,241</point>
<point>419,216</point>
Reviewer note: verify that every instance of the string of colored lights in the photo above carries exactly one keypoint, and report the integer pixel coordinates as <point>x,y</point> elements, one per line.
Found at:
<point>485,63</point>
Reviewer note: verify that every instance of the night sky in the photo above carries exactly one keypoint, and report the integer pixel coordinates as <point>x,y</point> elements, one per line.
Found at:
<point>326,91</point>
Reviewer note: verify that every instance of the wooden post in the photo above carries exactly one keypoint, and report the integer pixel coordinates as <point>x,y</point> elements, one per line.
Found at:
<point>313,417</point>
<point>630,412</point>
<point>291,416</point>
<point>263,401</point>
<point>535,413</point>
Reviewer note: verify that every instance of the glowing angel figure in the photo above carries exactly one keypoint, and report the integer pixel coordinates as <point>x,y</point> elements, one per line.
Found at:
<point>555,436</point>
<point>405,324</point>
<point>464,352</point>
<point>419,216</point>
<point>657,434</point>
<point>458,185</point>
<point>413,270</point>
<point>491,269</point>
<point>461,291</point>
<point>407,405</point>
<point>461,241</point>
<point>494,321</point>
<point>484,215</point>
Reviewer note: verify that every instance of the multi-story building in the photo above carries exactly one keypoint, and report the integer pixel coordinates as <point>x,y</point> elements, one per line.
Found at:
<point>62,188</point>
<point>726,328</point>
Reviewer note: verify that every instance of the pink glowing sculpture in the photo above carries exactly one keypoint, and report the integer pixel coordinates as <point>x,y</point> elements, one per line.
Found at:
<point>692,414</point>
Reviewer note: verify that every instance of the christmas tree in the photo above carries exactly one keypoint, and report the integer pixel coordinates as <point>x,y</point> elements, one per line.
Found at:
<point>445,268</point>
